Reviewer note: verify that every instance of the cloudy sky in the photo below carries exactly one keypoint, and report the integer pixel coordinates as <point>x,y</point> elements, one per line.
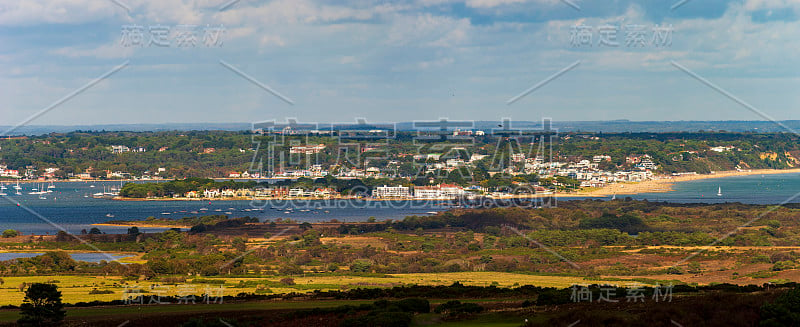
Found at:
<point>396,60</point>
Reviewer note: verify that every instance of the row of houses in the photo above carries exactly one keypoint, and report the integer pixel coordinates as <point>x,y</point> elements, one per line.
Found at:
<point>440,191</point>
<point>262,192</point>
<point>5,172</point>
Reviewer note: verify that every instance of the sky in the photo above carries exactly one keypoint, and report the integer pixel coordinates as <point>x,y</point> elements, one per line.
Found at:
<point>65,62</point>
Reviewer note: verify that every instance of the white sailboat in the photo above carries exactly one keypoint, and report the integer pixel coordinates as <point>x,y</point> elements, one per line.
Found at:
<point>719,191</point>
<point>16,187</point>
<point>3,187</point>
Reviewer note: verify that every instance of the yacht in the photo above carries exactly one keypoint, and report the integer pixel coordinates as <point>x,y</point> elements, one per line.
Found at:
<point>51,185</point>
<point>16,187</point>
<point>719,191</point>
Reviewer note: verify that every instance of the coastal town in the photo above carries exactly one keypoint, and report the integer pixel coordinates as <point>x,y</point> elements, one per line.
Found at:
<point>455,171</point>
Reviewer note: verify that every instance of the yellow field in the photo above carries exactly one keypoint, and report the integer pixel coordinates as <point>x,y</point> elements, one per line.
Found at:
<point>76,288</point>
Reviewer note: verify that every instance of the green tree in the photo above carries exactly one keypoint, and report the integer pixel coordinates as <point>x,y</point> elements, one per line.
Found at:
<point>10,233</point>
<point>42,306</point>
<point>784,311</point>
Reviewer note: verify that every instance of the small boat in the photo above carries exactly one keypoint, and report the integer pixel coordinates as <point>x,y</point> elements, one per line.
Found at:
<point>719,191</point>
<point>203,209</point>
<point>109,215</point>
<point>3,187</point>
<point>92,186</point>
<point>165,213</point>
<point>18,193</point>
<point>228,213</point>
<point>42,197</point>
<point>3,194</point>
<point>51,185</point>
<point>16,187</point>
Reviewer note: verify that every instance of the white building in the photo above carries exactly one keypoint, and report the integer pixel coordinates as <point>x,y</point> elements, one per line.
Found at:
<point>119,149</point>
<point>441,191</point>
<point>391,192</point>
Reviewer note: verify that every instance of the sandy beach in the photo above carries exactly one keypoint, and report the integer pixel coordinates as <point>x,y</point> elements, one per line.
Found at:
<point>665,182</point>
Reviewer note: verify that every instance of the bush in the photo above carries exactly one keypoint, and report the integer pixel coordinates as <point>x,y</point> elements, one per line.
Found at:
<point>361,265</point>
<point>287,281</point>
<point>674,271</point>
<point>784,311</point>
<point>782,265</point>
<point>96,291</point>
<point>456,307</point>
<point>415,305</point>
<point>10,233</point>
<point>628,223</point>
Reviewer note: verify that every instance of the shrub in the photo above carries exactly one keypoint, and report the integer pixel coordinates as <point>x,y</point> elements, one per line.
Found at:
<point>456,307</point>
<point>674,271</point>
<point>415,305</point>
<point>10,233</point>
<point>784,311</point>
<point>96,291</point>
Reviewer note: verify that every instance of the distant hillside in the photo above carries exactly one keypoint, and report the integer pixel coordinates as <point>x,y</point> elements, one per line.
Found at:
<point>612,126</point>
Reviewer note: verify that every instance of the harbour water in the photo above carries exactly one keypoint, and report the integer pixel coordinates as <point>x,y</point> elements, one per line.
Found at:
<point>70,206</point>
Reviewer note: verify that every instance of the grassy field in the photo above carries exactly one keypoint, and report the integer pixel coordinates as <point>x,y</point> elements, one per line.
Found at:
<point>76,288</point>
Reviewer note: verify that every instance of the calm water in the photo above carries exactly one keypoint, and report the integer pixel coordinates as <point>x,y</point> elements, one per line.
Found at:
<point>68,208</point>
<point>79,256</point>
<point>755,189</point>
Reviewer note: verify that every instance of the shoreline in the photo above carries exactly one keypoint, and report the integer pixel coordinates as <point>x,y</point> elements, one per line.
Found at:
<point>666,183</point>
<point>663,184</point>
<point>135,224</point>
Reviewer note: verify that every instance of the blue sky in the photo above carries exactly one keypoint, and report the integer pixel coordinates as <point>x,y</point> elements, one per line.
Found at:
<point>397,60</point>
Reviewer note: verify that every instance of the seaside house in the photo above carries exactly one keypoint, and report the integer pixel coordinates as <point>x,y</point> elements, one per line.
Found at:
<point>212,193</point>
<point>391,192</point>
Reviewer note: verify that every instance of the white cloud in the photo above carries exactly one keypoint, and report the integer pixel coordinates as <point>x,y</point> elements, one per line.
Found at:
<point>34,12</point>
<point>106,51</point>
<point>496,3</point>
